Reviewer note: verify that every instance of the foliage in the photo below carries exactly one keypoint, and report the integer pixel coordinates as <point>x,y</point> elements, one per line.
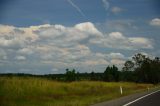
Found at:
<point>145,69</point>
<point>111,74</point>
<point>128,66</point>
<point>70,75</point>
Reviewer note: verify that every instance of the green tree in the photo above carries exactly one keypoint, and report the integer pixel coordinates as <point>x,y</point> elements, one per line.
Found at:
<point>145,69</point>
<point>138,59</point>
<point>111,74</point>
<point>128,66</point>
<point>70,75</point>
<point>115,73</point>
<point>107,74</point>
<point>93,76</point>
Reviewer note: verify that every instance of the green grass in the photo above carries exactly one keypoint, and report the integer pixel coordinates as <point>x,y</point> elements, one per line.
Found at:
<point>18,91</point>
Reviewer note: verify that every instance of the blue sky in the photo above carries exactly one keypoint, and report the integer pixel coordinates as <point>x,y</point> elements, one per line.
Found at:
<point>48,36</point>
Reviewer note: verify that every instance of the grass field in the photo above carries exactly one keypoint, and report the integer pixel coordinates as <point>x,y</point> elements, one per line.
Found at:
<point>18,91</point>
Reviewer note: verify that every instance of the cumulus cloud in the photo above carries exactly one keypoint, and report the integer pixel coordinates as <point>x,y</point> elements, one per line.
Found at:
<point>140,41</point>
<point>116,10</point>
<point>12,37</point>
<point>25,39</point>
<point>20,58</point>
<point>119,41</point>
<point>26,51</point>
<point>5,29</point>
<point>155,22</point>
<point>47,46</point>
<point>116,56</point>
<point>88,27</point>
<point>117,59</point>
<point>116,35</point>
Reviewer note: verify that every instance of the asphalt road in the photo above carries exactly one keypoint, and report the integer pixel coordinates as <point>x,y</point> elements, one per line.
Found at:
<point>150,100</point>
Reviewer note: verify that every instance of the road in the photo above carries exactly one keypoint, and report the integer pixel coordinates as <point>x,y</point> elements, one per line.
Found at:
<point>151,98</point>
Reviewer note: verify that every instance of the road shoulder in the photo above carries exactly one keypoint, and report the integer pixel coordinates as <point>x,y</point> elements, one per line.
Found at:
<point>126,99</point>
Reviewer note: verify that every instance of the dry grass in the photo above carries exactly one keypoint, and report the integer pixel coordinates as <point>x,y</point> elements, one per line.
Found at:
<point>29,91</point>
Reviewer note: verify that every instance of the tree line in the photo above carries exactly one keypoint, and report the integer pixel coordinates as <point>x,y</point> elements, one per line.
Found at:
<point>140,69</point>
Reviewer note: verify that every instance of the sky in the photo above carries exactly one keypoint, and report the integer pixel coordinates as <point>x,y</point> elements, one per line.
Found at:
<point>48,36</point>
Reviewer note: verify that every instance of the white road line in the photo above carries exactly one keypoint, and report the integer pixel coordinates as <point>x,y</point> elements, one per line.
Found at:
<point>140,98</point>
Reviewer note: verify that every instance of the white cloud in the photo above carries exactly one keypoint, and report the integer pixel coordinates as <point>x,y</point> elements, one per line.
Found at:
<point>155,22</point>
<point>140,41</point>
<point>117,59</point>
<point>61,47</point>
<point>118,62</point>
<point>96,62</point>
<point>119,41</point>
<point>88,27</point>
<point>61,36</point>
<point>26,51</point>
<point>116,56</point>
<point>116,10</point>
<point>116,35</point>
<point>12,37</point>
<point>5,29</point>
<point>20,58</point>
<point>67,36</point>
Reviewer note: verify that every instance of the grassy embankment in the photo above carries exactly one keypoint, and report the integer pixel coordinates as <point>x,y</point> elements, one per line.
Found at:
<point>42,92</point>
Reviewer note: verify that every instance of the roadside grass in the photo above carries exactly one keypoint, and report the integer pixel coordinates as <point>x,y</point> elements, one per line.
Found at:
<point>29,91</point>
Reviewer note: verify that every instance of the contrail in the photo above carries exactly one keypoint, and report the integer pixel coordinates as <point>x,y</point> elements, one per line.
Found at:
<point>77,8</point>
<point>106,4</point>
